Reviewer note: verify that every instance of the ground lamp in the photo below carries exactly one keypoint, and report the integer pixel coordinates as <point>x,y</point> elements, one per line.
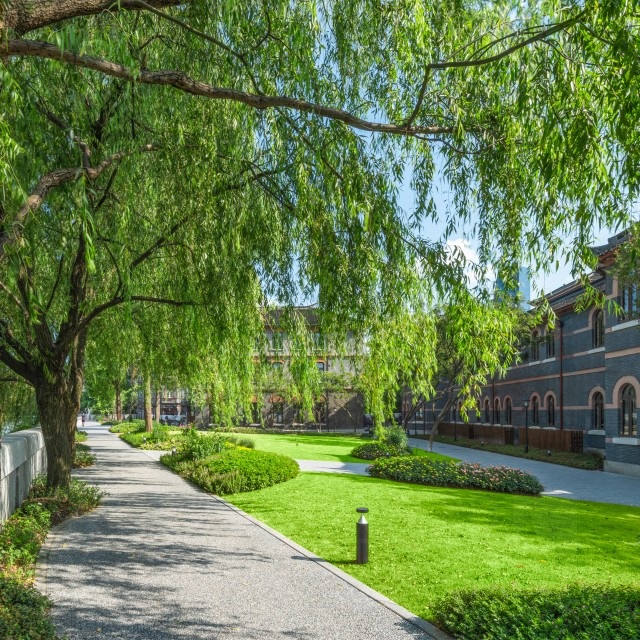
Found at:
<point>362,537</point>
<point>525,404</point>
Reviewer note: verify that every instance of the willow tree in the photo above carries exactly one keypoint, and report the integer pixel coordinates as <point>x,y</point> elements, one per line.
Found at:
<point>199,156</point>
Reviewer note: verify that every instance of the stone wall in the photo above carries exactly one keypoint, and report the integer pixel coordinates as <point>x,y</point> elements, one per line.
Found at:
<point>22,458</point>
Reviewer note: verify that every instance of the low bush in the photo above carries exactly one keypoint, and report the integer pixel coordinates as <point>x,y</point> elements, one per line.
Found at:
<point>395,436</point>
<point>23,611</point>
<point>197,447</point>
<point>81,436</point>
<point>375,450</point>
<point>83,457</point>
<point>235,470</point>
<point>578,612</point>
<point>241,441</point>
<point>419,470</point>
<point>136,426</point>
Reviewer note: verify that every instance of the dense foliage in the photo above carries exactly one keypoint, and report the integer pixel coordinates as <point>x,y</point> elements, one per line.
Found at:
<point>23,611</point>
<point>160,211</point>
<point>235,471</point>
<point>419,470</point>
<point>579,612</point>
<point>375,450</point>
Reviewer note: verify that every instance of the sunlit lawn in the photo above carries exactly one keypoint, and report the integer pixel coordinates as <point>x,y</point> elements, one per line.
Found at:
<point>427,542</point>
<point>317,447</point>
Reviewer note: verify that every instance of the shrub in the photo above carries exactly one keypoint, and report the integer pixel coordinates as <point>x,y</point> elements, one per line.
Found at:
<point>421,470</point>
<point>23,612</point>
<point>83,457</point>
<point>81,436</point>
<point>579,612</point>
<point>61,503</point>
<point>196,447</point>
<point>136,426</point>
<point>375,450</point>
<point>395,436</point>
<point>241,441</point>
<point>235,470</point>
<point>160,433</point>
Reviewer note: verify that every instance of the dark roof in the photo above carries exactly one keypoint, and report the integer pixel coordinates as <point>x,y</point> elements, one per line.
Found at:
<point>612,243</point>
<point>309,313</point>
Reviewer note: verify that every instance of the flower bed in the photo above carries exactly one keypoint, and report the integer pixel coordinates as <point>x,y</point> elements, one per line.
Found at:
<point>375,450</point>
<point>452,474</point>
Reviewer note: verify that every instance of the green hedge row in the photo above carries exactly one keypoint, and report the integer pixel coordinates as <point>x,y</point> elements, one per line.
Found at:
<point>420,470</point>
<point>235,470</point>
<point>375,450</point>
<point>577,612</point>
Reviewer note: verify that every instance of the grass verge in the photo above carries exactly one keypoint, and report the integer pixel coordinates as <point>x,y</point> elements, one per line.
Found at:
<point>23,610</point>
<point>567,459</point>
<point>428,543</point>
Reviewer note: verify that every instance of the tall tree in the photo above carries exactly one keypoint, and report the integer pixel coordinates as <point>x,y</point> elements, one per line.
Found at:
<point>197,156</point>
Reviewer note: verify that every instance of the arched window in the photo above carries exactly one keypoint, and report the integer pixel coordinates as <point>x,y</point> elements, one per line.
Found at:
<point>551,412</point>
<point>598,411</point>
<point>507,411</point>
<point>535,411</point>
<point>487,411</point>
<point>628,424</point>
<point>535,346</point>
<point>496,411</point>
<point>550,341</point>
<point>598,329</point>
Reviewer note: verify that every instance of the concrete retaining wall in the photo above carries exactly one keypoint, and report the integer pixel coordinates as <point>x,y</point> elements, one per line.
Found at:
<point>22,458</point>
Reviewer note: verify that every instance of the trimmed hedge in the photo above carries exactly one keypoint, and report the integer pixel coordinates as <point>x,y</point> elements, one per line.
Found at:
<point>375,450</point>
<point>420,470</point>
<point>234,471</point>
<point>577,612</point>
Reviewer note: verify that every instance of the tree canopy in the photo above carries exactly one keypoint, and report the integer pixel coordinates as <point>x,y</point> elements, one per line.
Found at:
<point>182,162</point>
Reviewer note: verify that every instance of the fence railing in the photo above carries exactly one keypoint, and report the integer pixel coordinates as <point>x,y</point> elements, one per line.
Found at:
<point>22,458</point>
<point>571,440</point>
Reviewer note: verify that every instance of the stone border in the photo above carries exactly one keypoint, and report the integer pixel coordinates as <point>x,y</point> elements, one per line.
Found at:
<point>432,631</point>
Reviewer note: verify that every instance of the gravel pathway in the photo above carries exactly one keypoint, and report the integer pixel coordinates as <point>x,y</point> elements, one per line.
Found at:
<point>162,560</point>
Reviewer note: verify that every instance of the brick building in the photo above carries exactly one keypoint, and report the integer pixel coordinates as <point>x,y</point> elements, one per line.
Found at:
<point>583,374</point>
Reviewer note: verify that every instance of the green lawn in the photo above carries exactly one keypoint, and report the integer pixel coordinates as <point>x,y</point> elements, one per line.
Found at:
<point>317,447</point>
<point>427,542</point>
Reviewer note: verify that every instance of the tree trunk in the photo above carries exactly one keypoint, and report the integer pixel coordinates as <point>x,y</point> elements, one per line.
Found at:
<point>438,419</point>
<point>158,403</point>
<point>58,413</point>
<point>118,401</point>
<point>148,421</point>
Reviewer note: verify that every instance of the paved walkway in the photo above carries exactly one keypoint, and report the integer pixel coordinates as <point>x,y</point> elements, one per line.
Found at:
<point>558,481</point>
<point>162,560</point>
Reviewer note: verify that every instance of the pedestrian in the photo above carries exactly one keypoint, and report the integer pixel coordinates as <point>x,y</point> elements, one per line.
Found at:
<point>82,416</point>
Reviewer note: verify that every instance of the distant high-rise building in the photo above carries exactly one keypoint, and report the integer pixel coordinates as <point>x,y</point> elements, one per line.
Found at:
<point>519,290</point>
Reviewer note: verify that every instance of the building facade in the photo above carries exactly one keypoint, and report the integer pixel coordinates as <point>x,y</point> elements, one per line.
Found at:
<point>582,374</point>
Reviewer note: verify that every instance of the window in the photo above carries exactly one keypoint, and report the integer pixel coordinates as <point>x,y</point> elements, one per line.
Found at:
<point>598,411</point>
<point>487,415</point>
<point>630,300</point>
<point>276,341</point>
<point>628,423</point>
<point>320,341</point>
<point>321,366</point>
<point>278,412</point>
<point>598,329</point>
<point>507,411</point>
<point>496,411</point>
<point>535,346</point>
<point>551,412</point>
<point>535,411</point>
<point>277,366</point>
<point>550,341</point>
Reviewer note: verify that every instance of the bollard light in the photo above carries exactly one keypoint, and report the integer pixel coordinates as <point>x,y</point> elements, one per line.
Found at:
<point>548,452</point>
<point>173,451</point>
<point>144,439</point>
<point>362,537</point>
